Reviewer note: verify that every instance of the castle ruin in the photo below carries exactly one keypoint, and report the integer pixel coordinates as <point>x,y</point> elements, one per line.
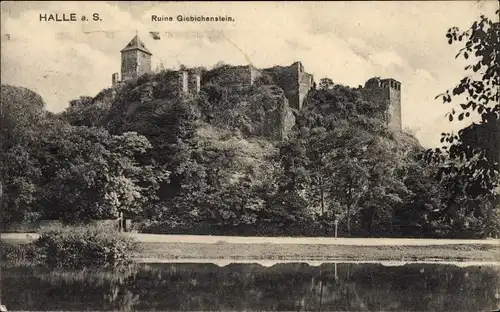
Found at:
<point>136,59</point>
<point>293,80</point>
<point>387,93</point>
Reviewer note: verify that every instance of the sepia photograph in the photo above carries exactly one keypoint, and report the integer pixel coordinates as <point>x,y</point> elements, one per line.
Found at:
<point>250,156</point>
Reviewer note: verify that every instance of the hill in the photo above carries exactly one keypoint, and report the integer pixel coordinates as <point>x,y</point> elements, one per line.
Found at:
<point>232,137</point>
<point>238,160</point>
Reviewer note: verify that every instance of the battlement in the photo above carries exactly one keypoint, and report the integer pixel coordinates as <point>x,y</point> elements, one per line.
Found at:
<point>388,83</point>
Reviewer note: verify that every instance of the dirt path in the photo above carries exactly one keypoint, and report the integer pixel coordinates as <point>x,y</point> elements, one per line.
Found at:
<point>199,239</point>
<point>208,239</point>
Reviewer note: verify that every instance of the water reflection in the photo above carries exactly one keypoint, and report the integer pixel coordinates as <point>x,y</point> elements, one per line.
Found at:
<point>293,286</point>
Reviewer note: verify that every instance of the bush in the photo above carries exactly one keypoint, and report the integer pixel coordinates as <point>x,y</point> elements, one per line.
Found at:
<point>85,247</point>
<point>20,253</point>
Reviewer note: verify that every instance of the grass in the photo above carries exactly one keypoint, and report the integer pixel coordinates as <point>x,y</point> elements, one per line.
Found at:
<point>316,252</point>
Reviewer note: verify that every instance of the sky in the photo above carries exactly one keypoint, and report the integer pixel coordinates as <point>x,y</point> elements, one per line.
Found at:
<point>348,42</point>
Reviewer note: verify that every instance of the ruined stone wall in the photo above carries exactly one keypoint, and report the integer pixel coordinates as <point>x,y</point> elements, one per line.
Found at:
<point>183,81</point>
<point>287,79</point>
<point>115,79</point>
<point>294,81</point>
<point>306,82</point>
<point>194,83</point>
<point>254,74</point>
<point>233,76</point>
<point>267,113</point>
<point>189,82</point>
<point>395,122</point>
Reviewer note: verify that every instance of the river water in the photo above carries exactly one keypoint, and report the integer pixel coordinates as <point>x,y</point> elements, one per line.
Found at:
<point>254,287</point>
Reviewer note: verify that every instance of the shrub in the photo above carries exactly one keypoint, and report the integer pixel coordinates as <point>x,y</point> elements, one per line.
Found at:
<point>85,247</point>
<point>20,253</point>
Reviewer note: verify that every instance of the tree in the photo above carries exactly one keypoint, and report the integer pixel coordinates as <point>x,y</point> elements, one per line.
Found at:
<point>20,173</point>
<point>470,160</point>
<point>21,110</point>
<point>219,64</point>
<point>325,83</point>
<point>342,160</point>
<point>86,111</point>
<point>160,67</point>
<point>90,174</point>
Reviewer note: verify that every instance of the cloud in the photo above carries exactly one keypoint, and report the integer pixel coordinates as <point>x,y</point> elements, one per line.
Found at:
<point>387,58</point>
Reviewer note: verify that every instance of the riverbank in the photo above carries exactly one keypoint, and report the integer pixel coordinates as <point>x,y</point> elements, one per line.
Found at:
<point>152,252</point>
<point>160,248</point>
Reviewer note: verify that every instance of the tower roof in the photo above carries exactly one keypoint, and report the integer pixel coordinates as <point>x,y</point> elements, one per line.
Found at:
<point>136,44</point>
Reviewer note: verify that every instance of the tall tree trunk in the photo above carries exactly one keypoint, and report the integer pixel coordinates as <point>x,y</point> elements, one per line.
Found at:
<point>371,221</point>
<point>322,192</point>
<point>349,203</point>
<point>349,219</point>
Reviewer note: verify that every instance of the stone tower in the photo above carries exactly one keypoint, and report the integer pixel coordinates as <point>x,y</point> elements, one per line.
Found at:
<point>388,93</point>
<point>136,59</point>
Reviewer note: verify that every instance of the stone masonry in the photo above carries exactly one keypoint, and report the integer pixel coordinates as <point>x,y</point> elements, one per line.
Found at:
<point>386,92</point>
